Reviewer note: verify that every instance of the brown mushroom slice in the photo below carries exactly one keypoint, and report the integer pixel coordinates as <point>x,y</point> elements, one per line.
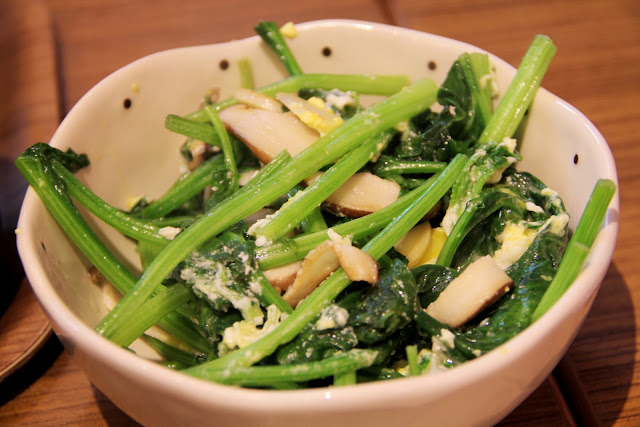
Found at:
<point>267,133</point>
<point>480,284</point>
<point>324,260</point>
<point>282,277</point>
<point>256,99</point>
<point>414,244</point>
<point>363,193</point>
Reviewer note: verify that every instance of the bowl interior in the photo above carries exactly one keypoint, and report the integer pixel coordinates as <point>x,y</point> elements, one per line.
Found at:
<point>132,154</point>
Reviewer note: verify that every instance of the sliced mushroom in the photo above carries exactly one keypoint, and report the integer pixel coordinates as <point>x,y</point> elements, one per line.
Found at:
<point>259,100</point>
<point>267,133</point>
<point>480,284</point>
<point>324,260</point>
<point>414,244</point>
<point>362,194</point>
<point>282,277</point>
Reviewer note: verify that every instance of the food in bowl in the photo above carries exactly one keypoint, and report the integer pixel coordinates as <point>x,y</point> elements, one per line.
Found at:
<point>432,226</point>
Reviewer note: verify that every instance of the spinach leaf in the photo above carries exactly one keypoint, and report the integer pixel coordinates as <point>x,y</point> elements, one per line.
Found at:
<point>313,344</point>
<point>387,307</point>
<point>431,280</point>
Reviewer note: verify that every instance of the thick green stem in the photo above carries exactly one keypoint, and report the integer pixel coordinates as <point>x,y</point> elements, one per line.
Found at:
<point>184,189</point>
<point>124,223</point>
<point>348,361</point>
<point>345,378</point>
<point>270,34</point>
<point>51,190</point>
<point>192,128</point>
<point>579,246</point>
<point>386,166</point>
<point>151,312</point>
<point>412,360</point>
<point>246,73</point>
<point>276,164</point>
<point>268,295</point>
<point>368,84</point>
<point>225,144</point>
<point>521,91</point>
<point>475,67</point>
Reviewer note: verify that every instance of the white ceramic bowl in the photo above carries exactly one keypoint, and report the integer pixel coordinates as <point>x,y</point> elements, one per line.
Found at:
<point>133,154</point>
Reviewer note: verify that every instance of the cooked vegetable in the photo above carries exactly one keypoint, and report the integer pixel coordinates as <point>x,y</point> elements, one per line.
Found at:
<point>328,243</point>
<point>479,285</point>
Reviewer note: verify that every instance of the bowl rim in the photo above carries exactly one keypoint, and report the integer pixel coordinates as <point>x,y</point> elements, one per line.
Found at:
<point>342,398</point>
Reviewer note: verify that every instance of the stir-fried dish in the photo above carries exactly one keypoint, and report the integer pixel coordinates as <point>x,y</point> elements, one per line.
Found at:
<point>314,241</point>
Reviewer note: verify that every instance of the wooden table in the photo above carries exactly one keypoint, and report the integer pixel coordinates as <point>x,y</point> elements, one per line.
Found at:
<point>54,51</point>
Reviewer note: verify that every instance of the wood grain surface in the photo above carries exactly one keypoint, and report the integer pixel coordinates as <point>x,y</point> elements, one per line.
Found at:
<point>596,69</point>
<point>30,111</point>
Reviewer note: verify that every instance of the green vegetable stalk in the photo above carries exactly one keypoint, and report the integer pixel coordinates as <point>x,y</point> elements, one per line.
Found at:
<point>384,85</point>
<point>342,363</point>
<point>35,166</point>
<point>579,245</point>
<point>270,33</point>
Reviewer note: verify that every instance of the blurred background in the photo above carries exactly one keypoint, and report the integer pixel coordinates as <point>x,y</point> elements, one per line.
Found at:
<point>53,51</point>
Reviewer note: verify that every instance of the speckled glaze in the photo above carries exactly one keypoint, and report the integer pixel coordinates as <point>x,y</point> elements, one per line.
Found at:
<point>132,154</point>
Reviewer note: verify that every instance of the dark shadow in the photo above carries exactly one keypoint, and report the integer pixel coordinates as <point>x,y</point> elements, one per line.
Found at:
<point>113,415</point>
<point>31,371</point>
<point>12,189</point>
<point>597,373</point>
<point>9,175</point>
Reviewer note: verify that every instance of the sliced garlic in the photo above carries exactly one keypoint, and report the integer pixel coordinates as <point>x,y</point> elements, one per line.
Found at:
<point>324,260</point>
<point>414,244</point>
<point>282,277</point>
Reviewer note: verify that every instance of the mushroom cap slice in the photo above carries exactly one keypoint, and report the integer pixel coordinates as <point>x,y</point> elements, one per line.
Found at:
<point>362,194</point>
<point>267,133</point>
<point>480,284</point>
